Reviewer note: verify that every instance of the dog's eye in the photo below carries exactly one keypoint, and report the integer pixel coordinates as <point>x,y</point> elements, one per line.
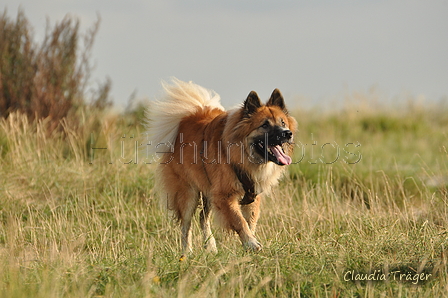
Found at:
<point>283,123</point>
<point>265,125</point>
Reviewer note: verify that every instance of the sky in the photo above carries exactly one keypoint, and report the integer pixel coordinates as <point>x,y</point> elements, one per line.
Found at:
<point>313,50</point>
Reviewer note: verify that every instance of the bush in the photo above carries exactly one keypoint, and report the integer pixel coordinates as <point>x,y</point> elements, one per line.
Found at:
<point>48,80</point>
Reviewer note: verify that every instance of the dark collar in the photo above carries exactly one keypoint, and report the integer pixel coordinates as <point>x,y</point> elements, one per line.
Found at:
<point>248,185</point>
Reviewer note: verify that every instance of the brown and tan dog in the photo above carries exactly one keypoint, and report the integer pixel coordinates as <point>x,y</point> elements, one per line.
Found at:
<point>224,158</point>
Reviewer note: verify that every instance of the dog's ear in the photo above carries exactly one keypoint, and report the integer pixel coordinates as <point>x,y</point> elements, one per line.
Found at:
<point>252,103</point>
<point>277,100</point>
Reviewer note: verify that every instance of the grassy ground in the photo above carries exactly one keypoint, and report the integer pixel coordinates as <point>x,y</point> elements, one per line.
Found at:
<point>367,200</point>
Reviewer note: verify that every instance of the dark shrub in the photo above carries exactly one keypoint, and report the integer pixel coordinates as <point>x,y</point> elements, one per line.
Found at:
<point>47,80</point>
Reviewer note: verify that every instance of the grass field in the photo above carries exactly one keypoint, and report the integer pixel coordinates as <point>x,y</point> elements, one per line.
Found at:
<point>366,199</point>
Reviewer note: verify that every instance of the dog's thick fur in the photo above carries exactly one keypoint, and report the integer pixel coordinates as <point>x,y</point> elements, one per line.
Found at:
<point>225,159</point>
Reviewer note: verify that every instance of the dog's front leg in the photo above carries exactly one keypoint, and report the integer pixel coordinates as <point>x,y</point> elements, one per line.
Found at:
<point>251,213</point>
<point>229,211</point>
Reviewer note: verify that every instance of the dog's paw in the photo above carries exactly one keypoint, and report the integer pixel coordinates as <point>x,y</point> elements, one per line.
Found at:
<point>253,245</point>
<point>210,246</point>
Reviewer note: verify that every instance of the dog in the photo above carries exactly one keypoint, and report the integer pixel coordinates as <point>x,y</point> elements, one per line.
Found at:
<point>222,160</point>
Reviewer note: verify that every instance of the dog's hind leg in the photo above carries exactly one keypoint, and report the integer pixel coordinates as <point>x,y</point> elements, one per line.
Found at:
<point>186,215</point>
<point>209,240</point>
<point>251,213</point>
<point>182,198</point>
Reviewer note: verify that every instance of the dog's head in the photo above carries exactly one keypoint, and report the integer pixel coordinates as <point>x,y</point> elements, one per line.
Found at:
<point>271,129</point>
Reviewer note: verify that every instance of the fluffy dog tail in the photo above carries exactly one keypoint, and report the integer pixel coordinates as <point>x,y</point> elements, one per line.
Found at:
<point>182,99</point>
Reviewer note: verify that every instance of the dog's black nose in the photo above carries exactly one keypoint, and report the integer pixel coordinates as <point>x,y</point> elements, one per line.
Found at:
<point>287,134</point>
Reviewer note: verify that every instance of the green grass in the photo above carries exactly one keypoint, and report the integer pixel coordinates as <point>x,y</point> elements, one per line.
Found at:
<point>74,225</point>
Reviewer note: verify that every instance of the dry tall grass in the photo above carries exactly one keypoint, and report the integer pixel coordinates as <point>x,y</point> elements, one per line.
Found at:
<point>82,222</point>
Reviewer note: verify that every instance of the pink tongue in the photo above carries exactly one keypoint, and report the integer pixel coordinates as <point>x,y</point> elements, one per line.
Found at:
<point>282,157</point>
